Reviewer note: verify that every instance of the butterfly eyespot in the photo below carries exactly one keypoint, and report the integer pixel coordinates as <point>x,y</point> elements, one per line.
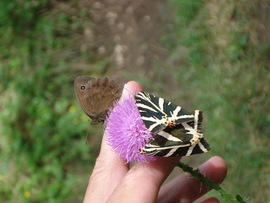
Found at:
<point>82,87</point>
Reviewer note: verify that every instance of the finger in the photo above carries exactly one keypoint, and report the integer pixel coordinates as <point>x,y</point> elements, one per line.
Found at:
<point>184,188</point>
<point>109,168</point>
<point>143,181</point>
<point>106,154</point>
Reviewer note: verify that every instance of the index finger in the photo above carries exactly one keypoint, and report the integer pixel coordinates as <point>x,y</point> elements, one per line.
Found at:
<point>109,169</point>
<point>106,154</point>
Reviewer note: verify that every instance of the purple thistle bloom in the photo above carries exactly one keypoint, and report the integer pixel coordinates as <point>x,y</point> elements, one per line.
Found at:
<point>126,132</point>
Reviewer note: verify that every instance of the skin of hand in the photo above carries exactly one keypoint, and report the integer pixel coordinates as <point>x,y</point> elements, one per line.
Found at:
<point>114,181</point>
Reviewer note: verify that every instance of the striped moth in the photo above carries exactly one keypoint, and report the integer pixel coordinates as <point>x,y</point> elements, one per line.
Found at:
<point>178,131</point>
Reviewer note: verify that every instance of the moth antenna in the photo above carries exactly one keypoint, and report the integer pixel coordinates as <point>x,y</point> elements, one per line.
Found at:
<point>143,74</point>
<point>131,93</point>
<point>139,81</point>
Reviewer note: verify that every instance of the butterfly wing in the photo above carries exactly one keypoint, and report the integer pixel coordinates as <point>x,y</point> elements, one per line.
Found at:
<point>96,96</point>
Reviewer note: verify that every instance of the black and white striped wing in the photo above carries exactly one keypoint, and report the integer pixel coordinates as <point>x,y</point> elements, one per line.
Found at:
<point>201,147</point>
<point>158,113</point>
<point>184,139</point>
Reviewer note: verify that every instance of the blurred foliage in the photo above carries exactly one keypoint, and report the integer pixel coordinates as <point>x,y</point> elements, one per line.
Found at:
<point>218,61</point>
<point>42,126</point>
<point>225,52</point>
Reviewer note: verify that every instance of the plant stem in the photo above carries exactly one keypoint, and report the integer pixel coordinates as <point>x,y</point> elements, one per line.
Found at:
<point>196,174</point>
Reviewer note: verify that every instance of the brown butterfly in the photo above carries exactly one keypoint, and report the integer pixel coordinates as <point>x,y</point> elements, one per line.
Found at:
<point>96,96</point>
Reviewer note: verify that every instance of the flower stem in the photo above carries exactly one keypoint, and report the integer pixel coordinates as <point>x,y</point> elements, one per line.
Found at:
<point>196,174</point>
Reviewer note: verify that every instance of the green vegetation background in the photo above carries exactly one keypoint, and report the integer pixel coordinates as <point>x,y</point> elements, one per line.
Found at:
<point>217,60</point>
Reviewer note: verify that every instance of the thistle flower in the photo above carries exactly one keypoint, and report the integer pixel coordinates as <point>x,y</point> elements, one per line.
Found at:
<point>126,132</point>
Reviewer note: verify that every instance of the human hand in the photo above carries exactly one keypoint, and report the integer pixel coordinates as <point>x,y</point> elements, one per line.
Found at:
<point>114,181</point>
